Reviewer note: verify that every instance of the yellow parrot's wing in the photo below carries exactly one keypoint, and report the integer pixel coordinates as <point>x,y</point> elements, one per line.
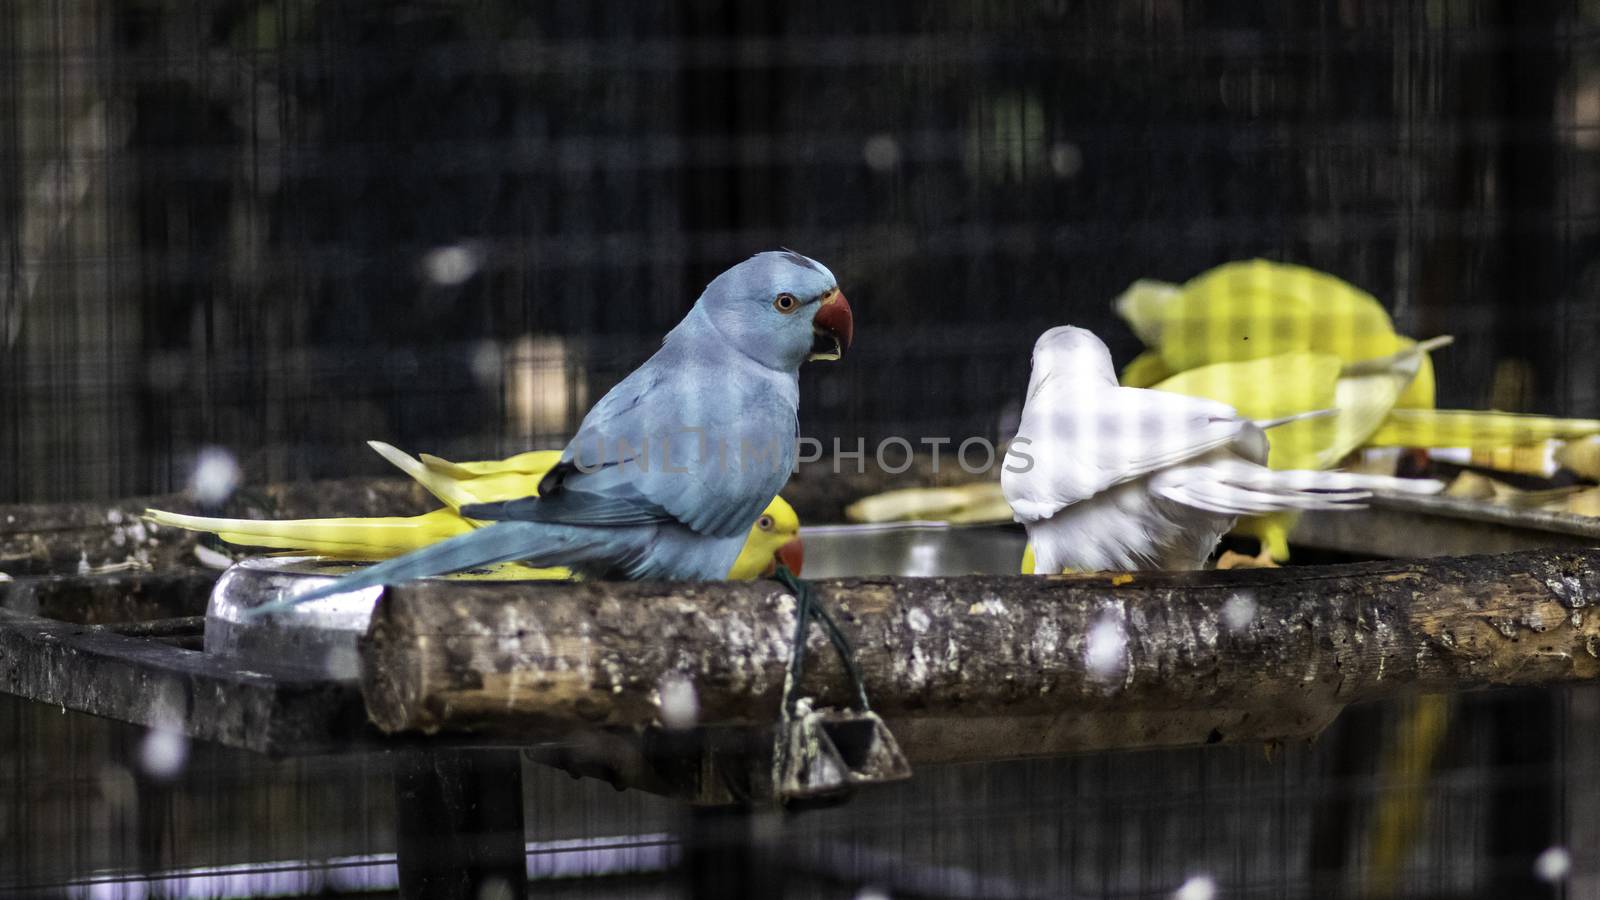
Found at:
<point>1367,392</point>
<point>1255,308</point>
<point>353,538</point>
<point>1284,385</point>
<point>1146,370</point>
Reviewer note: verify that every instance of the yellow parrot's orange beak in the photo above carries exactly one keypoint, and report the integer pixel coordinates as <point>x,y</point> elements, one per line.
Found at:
<point>792,555</point>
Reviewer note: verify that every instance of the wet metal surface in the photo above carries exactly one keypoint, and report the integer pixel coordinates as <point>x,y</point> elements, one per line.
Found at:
<point>912,548</point>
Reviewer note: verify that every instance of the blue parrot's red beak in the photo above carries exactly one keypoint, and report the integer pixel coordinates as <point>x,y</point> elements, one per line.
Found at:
<point>792,555</point>
<point>833,327</point>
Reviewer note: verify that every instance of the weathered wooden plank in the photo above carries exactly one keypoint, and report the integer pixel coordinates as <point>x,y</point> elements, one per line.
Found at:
<point>276,709</point>
<point>1054,664</point>
<point>62,538</point>
<point>115,597</point>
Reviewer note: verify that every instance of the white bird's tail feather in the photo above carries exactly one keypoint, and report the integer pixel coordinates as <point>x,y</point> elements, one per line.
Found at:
<point>1237,487</point>
<point>1265,424</point>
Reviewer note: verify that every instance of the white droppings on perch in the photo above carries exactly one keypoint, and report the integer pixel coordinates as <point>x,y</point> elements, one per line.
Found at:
<point>678,702</point>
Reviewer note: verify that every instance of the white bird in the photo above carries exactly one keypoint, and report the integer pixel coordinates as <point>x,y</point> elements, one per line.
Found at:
<point>1112,478</point>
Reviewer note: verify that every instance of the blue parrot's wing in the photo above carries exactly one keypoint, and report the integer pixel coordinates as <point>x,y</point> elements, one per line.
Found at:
<point>636,461</point>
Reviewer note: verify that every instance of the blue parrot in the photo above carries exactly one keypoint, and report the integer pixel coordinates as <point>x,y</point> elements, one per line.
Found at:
<point>671,467</point>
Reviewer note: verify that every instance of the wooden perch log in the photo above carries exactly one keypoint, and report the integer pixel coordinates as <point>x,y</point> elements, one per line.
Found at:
<point>979,666</point>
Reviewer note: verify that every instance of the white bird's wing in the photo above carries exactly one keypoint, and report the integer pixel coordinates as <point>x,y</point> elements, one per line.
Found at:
<point>1075,442</point>
<point>1229,485</point>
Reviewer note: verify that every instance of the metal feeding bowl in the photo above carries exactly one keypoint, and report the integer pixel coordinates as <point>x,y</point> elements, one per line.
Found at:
<point>912,548</point>
<point>323,634</point>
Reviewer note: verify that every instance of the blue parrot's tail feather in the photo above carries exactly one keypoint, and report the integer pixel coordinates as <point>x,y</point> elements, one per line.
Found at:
<point>535,543</point>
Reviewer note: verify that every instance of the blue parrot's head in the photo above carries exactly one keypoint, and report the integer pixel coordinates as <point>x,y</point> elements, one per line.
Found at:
<point>781,309</point>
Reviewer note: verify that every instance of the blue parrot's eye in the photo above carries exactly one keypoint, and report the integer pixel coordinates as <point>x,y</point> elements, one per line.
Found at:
<point>786,303</point>
<point>765,522</point>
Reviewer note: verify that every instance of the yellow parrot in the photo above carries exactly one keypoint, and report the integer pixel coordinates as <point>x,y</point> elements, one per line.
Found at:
<point>774,538</point>
<point>1251,309</point>
<point>1248,310</point>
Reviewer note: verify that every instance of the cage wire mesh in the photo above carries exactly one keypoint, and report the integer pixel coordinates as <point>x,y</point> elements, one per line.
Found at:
<point>285,227</point>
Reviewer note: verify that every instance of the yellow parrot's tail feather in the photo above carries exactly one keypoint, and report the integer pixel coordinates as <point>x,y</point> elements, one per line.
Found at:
<point>447,489</point>
<point>446,467</point>
<point>353,538</point>
<point>531,463</point>
<point>1474,429</point>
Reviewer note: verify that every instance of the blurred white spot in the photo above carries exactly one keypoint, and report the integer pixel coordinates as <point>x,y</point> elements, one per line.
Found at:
<point>212,559</point>
<point>452,265</point>
<point>1238,611</point>
<point>83,563</point>
<point>1553,864</point>
<point>486,363</point>
<point>4,577</point>
<point>881,152</point>
<point>137,532</point>
<point>872,892</point>
<point>163,753</point>
<point>679,702</point>
<point>1066,160</point>
<point>923,561</point>
<point>918,620</point>
<point>114,517</point>
<point>1105,655</point>
<point>494,889</point>
<point>215,476</point>
<point>1200,887</point>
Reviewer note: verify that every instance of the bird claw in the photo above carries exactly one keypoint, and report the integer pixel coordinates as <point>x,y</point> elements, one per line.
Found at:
<point>1233,560</point>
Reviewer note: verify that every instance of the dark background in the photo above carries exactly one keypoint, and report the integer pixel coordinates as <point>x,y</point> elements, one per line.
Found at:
<point>216,219</point>
<point>286,227</point>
